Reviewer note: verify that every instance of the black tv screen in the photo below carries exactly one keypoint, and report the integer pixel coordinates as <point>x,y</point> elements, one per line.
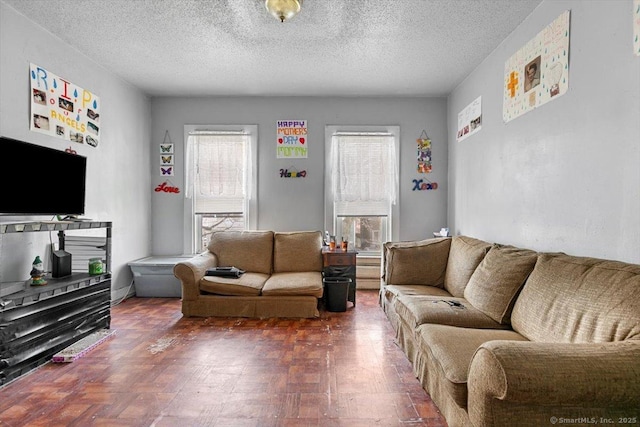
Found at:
<point>38,180</point>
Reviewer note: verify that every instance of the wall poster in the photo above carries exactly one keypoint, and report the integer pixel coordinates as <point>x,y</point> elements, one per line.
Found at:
<point>291,139</point>
<point>424,153</point>
<point>470,119</point>
<point>60,108</point>
<point>636,27</point>
<point>539,71</point>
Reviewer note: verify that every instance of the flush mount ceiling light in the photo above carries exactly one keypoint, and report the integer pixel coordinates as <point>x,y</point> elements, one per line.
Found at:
<point>283,9</point>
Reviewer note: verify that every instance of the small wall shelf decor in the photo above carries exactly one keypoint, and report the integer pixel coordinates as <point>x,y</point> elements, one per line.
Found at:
<point>421,185</point>
<point>424,153</point>
<point>292,173</point>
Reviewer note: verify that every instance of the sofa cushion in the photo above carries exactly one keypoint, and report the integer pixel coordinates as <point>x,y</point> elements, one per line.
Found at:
<point>247,284</point>
<point>393,291</point>
<point>248,250</point>
<point>495,283</point>
<point>297,251</point>
<point>464,256</point>
<point>416,263</point>
<point>450,350</point>
<point>571,299</point>
<point>305,283</point>
<point>417,310</point>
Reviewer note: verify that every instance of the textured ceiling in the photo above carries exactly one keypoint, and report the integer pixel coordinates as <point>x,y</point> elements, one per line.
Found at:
<point>332,48</point>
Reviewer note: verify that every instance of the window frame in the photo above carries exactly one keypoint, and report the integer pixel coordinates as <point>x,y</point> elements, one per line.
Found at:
<point>330,219</point>
<point>190,243</point>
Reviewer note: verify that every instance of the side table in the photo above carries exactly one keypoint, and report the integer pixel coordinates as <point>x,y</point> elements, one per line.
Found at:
<point>339,263</point>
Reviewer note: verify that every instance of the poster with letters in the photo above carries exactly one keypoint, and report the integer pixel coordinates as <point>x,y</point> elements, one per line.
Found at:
<point>539,71</point>
<point>62,109</point>
<point>291,139</point>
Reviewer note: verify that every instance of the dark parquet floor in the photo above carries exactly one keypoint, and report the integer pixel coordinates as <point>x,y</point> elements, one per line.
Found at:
<point>163,369</point>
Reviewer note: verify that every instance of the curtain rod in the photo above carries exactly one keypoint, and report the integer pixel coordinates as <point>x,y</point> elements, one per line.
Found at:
<point>362,134</point>
<point>219,132</point>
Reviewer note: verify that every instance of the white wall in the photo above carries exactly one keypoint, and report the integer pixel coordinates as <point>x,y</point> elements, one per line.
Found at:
<point>565,176</point>
<point>297,204</point>
<point>118,177</point>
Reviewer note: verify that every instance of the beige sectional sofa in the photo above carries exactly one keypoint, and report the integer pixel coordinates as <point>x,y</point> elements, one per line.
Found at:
<point>504,336</point>
<point>283,275</point>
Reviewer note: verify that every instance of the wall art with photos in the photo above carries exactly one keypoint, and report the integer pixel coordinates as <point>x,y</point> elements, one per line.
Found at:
<point>470,119</point>
<point>539,71</point>
<point>291,139</point>
<point>424,153</point>
<point>62,109</point>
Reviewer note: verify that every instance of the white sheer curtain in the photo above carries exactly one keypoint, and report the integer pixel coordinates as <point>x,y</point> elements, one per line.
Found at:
<point>219,172</point>
<point>364,173</point>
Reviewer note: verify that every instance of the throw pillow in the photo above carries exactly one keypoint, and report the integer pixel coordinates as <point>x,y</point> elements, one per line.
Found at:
<point>416,263</point>
<point>297,251</point>
<point>496,282</point>
<point>464,256</point>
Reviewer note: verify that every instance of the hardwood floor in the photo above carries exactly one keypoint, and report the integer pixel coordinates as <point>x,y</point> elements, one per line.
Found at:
<point>162,369</point>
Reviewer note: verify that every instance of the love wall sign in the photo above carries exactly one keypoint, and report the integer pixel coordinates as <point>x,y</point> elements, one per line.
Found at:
<point>291,139</point>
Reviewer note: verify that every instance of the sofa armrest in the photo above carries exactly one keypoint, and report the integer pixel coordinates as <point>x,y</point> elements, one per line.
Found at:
<point>190,272</point>
<point>539,381</point>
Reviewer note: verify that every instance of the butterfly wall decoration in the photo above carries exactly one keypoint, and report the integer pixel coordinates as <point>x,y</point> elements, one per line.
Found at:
<point>166,156</point>
<point>166,160</point>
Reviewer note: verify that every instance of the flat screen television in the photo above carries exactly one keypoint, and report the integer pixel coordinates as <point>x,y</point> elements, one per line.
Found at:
<point>37,180</point>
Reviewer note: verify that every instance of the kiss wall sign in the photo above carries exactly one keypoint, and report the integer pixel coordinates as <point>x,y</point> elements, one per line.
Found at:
<point>422,185</point>
<point>291,139</point>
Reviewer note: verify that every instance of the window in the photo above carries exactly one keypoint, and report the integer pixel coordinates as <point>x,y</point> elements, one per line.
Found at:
<point>362,178</point>
<point>220,181</point>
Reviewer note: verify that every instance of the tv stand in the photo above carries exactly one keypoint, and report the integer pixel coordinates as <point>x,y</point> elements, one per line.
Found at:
<point>74,218</point>
<point>36,322</point>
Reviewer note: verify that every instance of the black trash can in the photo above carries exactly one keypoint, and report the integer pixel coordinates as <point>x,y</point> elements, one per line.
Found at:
<point>336,293</point>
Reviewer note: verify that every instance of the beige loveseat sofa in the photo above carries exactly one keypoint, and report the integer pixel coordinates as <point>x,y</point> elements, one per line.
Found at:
<point>283,275</point>
<point>504,336</point>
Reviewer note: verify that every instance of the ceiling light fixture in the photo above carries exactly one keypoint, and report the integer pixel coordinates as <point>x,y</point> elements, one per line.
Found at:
<point>283,9</point>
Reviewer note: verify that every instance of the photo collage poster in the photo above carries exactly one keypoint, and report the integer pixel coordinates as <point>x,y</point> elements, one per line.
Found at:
<point>539,71</point>
<point>62,109</point>
<point>470,119</point>
<point>291,139</point>
<point>424,153</point>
